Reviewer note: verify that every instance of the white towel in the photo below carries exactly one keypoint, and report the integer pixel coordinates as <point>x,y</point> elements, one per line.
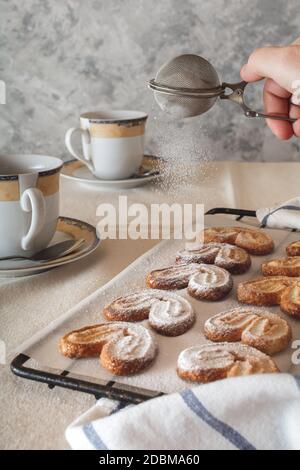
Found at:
<point>283,215</point>
<point>254,412</point>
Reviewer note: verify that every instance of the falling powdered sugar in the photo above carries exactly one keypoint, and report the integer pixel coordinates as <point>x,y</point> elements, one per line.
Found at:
<point>183,145</point>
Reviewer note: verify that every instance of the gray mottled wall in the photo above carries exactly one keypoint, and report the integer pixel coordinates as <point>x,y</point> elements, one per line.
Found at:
<point>62,57</point>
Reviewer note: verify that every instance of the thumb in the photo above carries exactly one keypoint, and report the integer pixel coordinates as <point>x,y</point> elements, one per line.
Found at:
<point>280,63</point>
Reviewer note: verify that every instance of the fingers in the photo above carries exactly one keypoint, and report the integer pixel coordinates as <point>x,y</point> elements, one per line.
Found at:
<point>295,113</point>
<point>261,63</point>
<point>281,66</point>
<point>276,101</point>
<point>296,127</point>
<point>280,63</point>
<point>249,74</point>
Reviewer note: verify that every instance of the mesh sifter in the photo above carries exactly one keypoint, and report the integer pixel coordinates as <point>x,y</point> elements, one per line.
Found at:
<point>189,86</point>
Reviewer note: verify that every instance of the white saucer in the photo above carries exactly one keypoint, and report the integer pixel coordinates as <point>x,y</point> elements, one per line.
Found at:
<point>67,229</point>
<point>77,171</point>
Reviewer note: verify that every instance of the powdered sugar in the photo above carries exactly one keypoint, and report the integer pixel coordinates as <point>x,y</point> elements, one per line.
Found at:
<point>173,277</point>
<point>171,312</point>
<point>258,322</point>
<point>183,145</point>
<point>199,357</point>
<point>224,255</point>
<point>223,357</point>
<point>259,328</point>
<point>253,240</point>
<point>163,308</point>
<point>209,277</point>
<point>126,341</point>
<point>134,302</point>
<point>136,342</point>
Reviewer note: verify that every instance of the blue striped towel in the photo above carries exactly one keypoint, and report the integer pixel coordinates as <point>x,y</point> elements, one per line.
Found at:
<point>283,215</point>
<point>254,412</point>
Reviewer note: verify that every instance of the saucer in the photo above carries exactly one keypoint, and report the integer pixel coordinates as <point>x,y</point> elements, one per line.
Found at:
<point>67,228</point>
<point>77,171</point>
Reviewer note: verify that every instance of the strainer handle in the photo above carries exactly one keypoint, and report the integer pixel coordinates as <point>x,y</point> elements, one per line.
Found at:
<point>237,96</point>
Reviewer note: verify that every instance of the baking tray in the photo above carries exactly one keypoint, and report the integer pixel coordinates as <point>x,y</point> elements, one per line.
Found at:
<point>39,359</point>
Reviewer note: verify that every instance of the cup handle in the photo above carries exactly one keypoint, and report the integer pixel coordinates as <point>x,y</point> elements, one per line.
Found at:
<point>86,135</point>
<point>32,200</point>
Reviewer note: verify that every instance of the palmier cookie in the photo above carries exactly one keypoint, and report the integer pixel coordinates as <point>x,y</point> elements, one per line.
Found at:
<point>290,300</point>
<point>272,290</point>
<point>263,290</point>
<point>168,313</point>
<point>172,277</point>
<point>255,327</point>
<point>293,249</point>
<point>210,362</point>
<point>124,348</point>
<point>232,258</point>
<point>282,267</point>
<point>210,283</point>
<point>254,241</point>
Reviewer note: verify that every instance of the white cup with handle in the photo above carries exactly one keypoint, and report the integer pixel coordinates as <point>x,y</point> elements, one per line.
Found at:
<point>112,142</point>
<point>29,203</point>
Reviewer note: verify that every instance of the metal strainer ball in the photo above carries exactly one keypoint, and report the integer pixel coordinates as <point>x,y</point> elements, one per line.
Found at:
<point>189,86</point>
<point>188,72</point>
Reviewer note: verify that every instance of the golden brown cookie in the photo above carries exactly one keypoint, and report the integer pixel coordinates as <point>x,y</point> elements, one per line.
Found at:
<point>256,242</point>
<point>272,290</point>
<point>132,307</point>
<point>172,277</point>
<point>169,313</point>
<point>210,283</point>
<point>290,300</point>
<point>293,249</point>
<point>172,315</point>
<point>282,267</point>
<point>263,290</point>
<point>230,257</point>
<point>255,327</point>
<point>124,348</point>
<point>210,362</point>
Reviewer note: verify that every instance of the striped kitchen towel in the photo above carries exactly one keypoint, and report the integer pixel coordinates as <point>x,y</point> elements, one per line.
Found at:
<point>254,412</point>
<point>283,215</point>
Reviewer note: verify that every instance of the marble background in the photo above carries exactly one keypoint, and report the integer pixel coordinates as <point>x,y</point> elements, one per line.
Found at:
<point>59,58</point>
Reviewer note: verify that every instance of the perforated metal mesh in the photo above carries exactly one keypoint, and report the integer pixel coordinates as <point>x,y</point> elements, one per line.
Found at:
<point>186,71</point>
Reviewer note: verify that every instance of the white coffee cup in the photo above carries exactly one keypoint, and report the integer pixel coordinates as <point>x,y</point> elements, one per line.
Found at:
<point>112,142</point>
<point>29,203</point>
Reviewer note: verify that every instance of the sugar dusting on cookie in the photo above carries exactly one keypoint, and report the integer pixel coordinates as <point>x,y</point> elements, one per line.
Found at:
<point>135,343</point>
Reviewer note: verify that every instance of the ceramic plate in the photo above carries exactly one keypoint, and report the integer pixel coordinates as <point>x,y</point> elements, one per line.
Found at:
<point>67,229</point>
<point>77,171</point>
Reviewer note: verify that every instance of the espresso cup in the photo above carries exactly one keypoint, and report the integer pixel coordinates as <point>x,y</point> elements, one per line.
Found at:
<point>112,142</point>
<point>29,203</point>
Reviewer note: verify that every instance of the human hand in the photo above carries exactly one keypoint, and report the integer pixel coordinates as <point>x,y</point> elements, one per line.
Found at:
<point>280,66</point>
